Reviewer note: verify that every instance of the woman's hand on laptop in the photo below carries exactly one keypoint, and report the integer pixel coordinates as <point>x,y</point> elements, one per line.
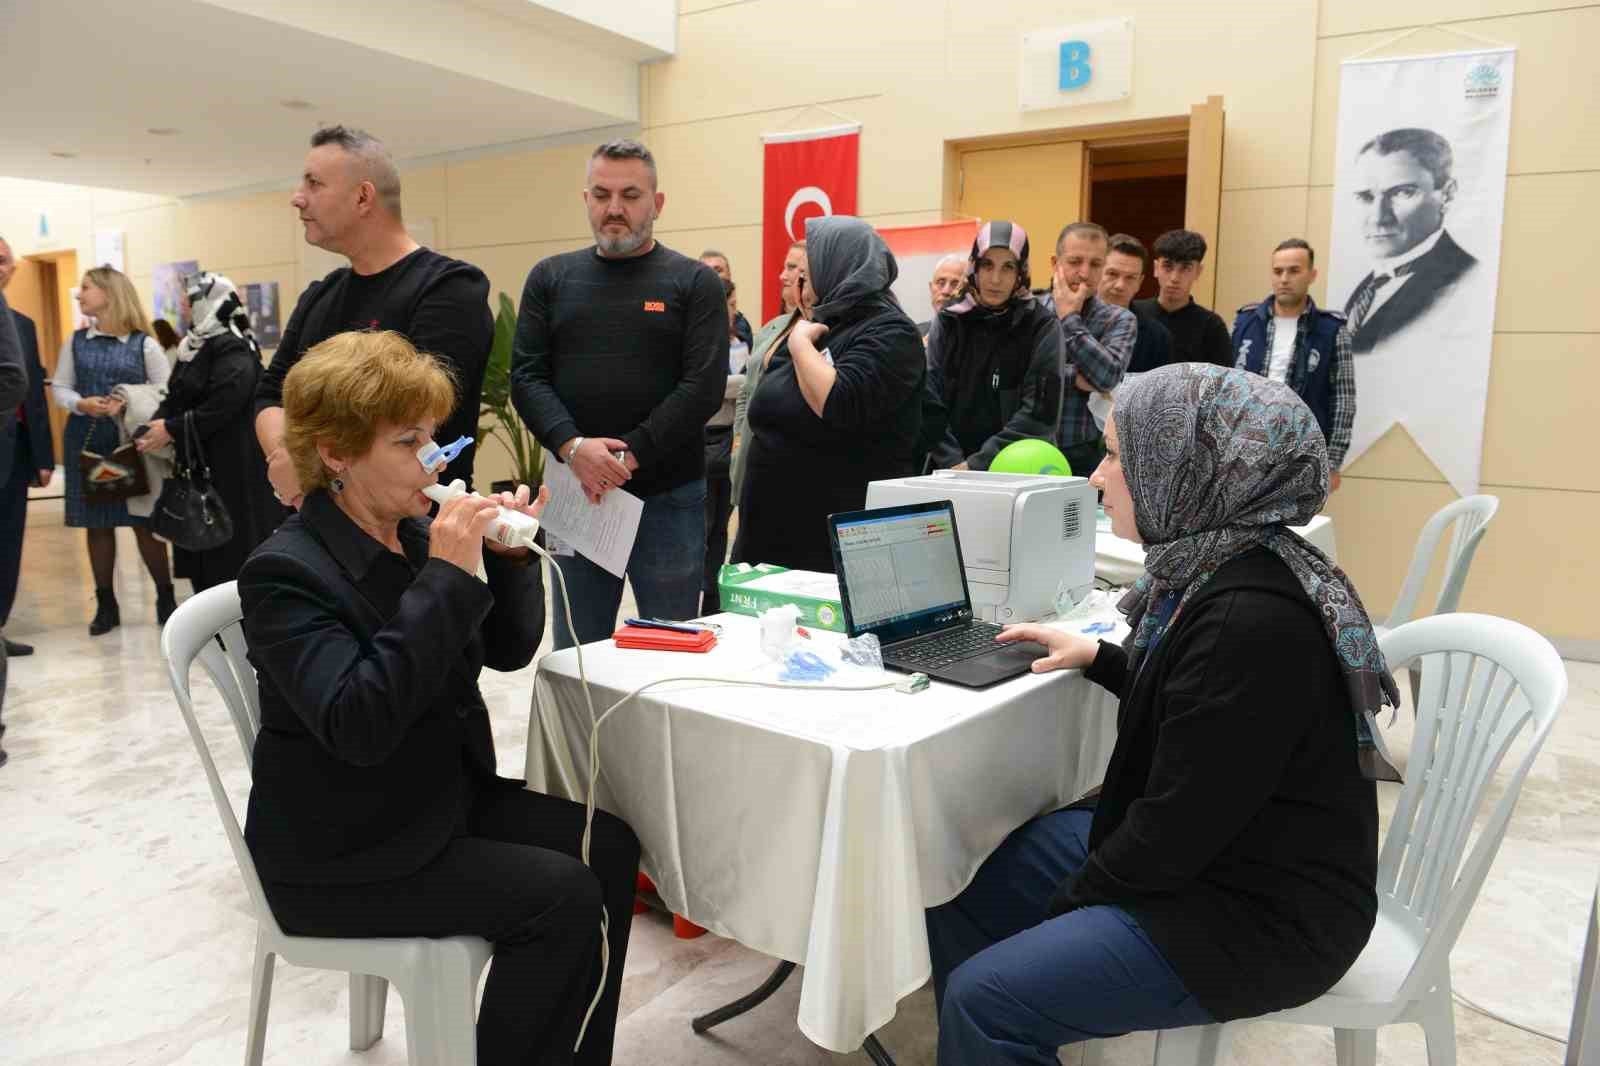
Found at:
<point>1066,651</point>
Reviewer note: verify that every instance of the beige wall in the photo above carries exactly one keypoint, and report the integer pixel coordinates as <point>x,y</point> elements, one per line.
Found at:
<point>918,74</point>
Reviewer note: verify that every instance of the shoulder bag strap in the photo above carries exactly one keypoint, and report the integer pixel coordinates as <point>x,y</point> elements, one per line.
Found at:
<point>196,455</point>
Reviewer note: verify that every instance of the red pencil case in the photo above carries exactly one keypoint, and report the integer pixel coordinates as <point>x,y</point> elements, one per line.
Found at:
<point>664,639</point>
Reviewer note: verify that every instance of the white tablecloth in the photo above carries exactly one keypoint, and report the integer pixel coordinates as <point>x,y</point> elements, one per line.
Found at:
<point>1122,561</point>
<point>816,827</point>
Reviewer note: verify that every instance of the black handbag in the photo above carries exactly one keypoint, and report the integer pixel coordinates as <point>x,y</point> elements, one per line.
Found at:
<point>190,512</point>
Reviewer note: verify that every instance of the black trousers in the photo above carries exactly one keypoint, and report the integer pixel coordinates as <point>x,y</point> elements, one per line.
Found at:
<point>13,523</point>
<point>719,508</point>
<point>514,879</point>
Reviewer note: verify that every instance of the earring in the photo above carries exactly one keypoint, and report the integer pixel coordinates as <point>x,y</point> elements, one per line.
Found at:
<point>337,485</point>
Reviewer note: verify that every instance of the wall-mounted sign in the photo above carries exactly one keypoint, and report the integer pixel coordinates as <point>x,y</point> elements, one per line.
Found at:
<point>1088,63</point>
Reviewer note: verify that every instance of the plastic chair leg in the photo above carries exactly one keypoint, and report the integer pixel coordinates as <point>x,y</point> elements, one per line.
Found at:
<point>255,1042</point>
<point>1355,1047</point>
<point>1196,1045</point>
<point>1438,1019</point>
<point>369,996</point>
<point>441,1008</point>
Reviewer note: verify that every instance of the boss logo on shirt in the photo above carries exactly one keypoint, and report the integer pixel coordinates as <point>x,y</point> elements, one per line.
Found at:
<point>658,306</point>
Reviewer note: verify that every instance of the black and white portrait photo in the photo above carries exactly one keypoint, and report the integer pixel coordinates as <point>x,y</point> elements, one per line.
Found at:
<point>1418,204</point>
<point>1405,183</point>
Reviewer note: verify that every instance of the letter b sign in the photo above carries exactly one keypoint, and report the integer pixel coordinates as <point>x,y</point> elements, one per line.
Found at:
<point>1075,70</point>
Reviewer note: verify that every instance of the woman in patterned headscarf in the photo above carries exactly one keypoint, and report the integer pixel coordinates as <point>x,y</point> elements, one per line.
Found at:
<point>210,394</point>
<point>1227,866</point>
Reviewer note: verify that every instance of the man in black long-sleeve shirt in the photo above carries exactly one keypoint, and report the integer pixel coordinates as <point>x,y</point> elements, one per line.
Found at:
<point>621,355</point>
<point>1198,333</point>
<point>349,202</point>
<point>13,387</point>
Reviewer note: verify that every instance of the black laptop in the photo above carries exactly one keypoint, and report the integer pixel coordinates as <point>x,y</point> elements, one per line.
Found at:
<point>902,579</point>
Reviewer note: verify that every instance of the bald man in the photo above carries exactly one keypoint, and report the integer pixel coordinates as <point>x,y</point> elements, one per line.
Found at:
<point>945,287</point>
<point>349,203</point>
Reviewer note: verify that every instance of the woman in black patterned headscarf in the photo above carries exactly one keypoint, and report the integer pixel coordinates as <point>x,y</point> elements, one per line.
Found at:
<point>1227,865</point>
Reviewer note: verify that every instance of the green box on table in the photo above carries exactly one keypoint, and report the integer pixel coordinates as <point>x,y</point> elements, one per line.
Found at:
<point>747,589</point>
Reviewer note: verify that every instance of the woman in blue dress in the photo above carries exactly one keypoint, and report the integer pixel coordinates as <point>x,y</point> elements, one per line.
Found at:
<point>117,350</point>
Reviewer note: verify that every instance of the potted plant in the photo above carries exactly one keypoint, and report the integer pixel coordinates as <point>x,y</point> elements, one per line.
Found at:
<point>497,417</point>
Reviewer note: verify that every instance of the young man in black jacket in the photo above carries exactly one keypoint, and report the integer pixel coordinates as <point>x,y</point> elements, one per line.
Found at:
<point>621,355</point>
<point>1198,333</point>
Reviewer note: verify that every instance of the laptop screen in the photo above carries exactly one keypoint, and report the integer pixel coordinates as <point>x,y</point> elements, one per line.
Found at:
<point>900,570</point>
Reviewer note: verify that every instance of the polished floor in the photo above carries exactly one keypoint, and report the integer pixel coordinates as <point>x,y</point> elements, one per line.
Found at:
<point>125,933</point>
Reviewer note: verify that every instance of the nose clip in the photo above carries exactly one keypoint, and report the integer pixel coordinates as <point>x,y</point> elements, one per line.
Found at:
<point>435,457</point>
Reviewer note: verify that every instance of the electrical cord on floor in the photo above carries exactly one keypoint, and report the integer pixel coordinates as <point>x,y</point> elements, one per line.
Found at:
<point>1492,1016</point>
<point>594,756</point>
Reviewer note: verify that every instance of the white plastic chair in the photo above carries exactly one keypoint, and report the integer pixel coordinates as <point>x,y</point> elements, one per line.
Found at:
<point>1470,515</point>
<point>1484,681</point>
<point>437,979</point>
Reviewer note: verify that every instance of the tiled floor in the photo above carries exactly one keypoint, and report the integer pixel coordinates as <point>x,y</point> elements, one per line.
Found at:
<point>125,934</point>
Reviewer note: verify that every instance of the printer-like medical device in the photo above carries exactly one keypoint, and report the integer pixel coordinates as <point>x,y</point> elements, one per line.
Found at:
<point>1027,540</point>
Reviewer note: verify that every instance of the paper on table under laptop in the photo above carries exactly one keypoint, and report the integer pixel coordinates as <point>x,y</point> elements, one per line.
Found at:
<point>601,532</point>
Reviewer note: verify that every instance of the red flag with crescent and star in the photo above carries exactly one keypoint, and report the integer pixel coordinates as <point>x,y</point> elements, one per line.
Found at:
<point>807,174</point>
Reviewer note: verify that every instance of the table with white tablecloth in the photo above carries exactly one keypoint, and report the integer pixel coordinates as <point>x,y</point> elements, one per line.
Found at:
<point>1120,562</point>
<point>816,826</point>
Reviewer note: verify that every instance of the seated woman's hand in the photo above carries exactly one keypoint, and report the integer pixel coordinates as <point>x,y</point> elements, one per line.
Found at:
<point>518,501</point>
<point>456,535</point>
<point>1068,651</point>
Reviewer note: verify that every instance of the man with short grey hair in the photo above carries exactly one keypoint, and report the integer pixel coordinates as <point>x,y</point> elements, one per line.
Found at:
<point>720,265</point>
<point>620,357</point>
<point>349,202</point>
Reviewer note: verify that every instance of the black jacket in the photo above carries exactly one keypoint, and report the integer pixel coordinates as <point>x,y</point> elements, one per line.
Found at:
<point>803,468</point>
<point>997,378</point>
<point>41,449</point>
<point>373,732</point>
<point>1430,277</point>
<point>217,387</point>
<point>1234,822</point>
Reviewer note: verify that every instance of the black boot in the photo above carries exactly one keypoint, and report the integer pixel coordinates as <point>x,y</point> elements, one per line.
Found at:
<point>166,603</point>
<point>106,617</point>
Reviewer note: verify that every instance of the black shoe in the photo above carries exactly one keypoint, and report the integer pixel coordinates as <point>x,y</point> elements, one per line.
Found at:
<point>106,616</point>
<point>3,756</point>
<point>166,603</point>
<point>15,649</point>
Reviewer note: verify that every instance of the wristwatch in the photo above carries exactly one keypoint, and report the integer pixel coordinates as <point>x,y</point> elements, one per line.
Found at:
<point>577,442</point>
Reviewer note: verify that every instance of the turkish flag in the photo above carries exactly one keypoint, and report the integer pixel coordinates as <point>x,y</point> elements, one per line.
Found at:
<point>807,174</point>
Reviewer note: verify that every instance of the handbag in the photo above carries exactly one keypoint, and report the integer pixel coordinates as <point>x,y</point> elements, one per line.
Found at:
<point>114,477</point>
<point>190,512</point>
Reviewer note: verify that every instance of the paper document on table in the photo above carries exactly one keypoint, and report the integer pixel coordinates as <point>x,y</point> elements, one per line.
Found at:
<point>601,532</point>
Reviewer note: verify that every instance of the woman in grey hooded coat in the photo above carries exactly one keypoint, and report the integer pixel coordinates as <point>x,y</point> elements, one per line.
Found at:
<point>839,406</point>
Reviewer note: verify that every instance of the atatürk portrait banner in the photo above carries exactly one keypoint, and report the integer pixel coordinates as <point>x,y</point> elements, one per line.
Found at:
<point>1418,202</point>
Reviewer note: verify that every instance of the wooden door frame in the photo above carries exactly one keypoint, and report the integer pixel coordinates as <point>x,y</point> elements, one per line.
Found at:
<point>1202,127</point>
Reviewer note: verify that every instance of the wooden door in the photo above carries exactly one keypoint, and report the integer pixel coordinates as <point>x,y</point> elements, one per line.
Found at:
<point>1203,196</point>
<point>1039,186</point>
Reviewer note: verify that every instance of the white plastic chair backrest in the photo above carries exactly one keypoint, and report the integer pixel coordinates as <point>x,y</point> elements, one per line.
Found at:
<point>1471,515</point>
<point>1484,680</point>
<point>191,634</point>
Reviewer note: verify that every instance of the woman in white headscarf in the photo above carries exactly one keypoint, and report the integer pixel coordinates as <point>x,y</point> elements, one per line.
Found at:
<point>207,412</point>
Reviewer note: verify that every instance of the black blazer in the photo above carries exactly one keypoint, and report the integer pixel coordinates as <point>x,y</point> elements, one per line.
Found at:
<point>1431,275</point>
<point>373,733</point>
<point>1234,822</point>
<point>41,450</point>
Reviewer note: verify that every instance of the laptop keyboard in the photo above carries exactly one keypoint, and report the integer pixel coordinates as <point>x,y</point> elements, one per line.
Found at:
<point>942,649</point>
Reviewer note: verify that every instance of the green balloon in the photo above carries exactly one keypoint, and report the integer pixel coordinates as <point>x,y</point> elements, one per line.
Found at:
<point>1031,457</point>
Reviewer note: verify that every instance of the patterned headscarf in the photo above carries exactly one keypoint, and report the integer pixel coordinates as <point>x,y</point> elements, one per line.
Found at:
<point>214,309</point>
<point>1220,461</point>
<point>996,234</point>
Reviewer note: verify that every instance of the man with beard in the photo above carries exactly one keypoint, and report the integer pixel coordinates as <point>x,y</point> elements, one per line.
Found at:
<point>621,355</point>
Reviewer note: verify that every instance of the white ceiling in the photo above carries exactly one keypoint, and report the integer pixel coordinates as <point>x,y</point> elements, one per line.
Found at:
<point>91,77</point>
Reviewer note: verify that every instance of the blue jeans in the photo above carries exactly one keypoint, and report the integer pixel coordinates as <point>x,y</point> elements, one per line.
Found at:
<point>1012,991</point>
<point>666,567</point>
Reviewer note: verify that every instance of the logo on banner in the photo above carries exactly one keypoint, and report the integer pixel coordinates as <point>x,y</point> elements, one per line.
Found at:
<point>808,195</point>
<point>1483,81</point>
